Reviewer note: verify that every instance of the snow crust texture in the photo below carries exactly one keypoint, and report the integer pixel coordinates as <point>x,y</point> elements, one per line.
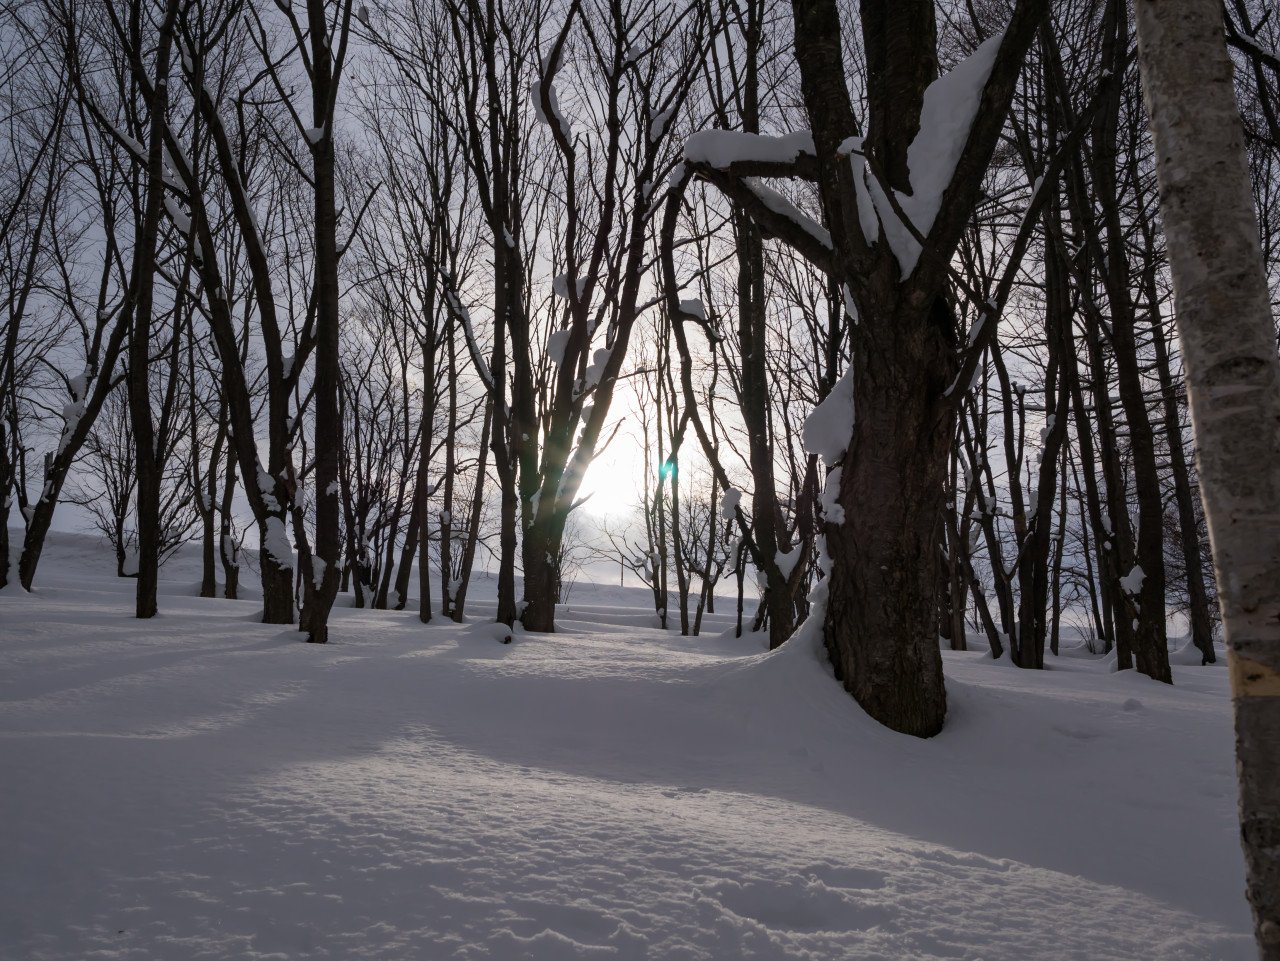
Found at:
<point>205,787</point>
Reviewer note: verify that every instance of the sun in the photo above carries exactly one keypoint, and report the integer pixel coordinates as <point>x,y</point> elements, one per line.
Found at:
<point>612,482</point>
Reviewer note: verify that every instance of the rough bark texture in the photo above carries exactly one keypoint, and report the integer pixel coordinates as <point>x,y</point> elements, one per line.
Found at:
<point>1233,383</point>
<point>881,625</point>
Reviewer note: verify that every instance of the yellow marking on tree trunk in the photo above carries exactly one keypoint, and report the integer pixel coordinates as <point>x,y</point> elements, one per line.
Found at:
<point>1252,678</point>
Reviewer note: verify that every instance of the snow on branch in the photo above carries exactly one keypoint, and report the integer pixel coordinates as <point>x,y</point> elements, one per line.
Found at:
<point>135,148</point>
<point>275,544</point>
<point>556,344</point>
<point>659,124</point>
<point>722,149</point>
<point>546,105</point>
<point>829,427</point>
<point>473,347</point>
<point>783,207</point>
<point>950,107</point>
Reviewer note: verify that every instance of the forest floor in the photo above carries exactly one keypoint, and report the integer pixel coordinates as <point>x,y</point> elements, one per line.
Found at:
<point>202,786</point>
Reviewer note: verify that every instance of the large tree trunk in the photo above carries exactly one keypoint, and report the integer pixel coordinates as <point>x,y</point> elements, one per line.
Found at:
<point>540,548</point>
<point>881,620</point>
<point>1233,384</point>
<point>276,572</point>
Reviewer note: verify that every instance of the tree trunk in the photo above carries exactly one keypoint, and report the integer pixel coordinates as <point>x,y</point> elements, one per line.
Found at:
<point>1233,383</point>
<point>59,462</point>
<point>277,573</point>
<point>508,518</point>
<point>325,560</point>
<point>1146,604</point>
<point>1197,592</point>
<point>540,548</point>
<point>6,483</point>
<point>422,510</point>
<point>143,298</point>
<point>404,569</point>
<point>1150,647</point>
<point>206,490</point>
<point>208,554</point>
<point>227,547</point>
<point>881,619</point>
<point>459,595</point>
<point>447,571</point>
<point>1033,574</point>
<point>881,625</point>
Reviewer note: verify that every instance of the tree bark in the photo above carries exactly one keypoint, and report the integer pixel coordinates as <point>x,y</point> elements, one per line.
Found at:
<point>1233,383</point>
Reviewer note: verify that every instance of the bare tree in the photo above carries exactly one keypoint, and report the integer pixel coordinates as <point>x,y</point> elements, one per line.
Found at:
<point>908,372</point>
<point>34,106</point>
<point>106,487</point>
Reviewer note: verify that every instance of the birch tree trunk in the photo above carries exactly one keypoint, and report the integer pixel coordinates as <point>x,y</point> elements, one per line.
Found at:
<point>1233,383</point>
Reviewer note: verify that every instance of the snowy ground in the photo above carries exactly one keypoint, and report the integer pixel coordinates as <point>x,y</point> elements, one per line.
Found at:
<point>204,786</point>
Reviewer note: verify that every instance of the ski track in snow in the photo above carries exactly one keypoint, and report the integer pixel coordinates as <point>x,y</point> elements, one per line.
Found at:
<point>203,786</point>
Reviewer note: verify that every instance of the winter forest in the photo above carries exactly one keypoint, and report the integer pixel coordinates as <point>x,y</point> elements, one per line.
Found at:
<point>773,479</point>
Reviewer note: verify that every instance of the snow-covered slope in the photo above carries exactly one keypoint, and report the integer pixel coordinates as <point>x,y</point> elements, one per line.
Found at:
<point>204,786</point>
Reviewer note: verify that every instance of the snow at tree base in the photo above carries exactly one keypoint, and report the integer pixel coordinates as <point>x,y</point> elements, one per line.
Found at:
<point>201,785</point>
